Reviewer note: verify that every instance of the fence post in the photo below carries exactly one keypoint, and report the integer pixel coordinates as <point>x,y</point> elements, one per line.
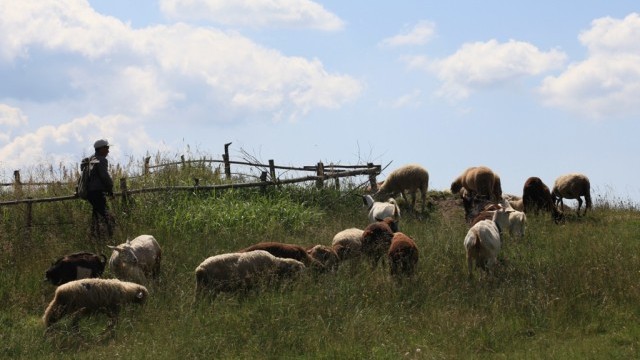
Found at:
<point>372,178</point>
<point>146,165</point>
<point>29,219</point>
<point>183,161</point>
<point>17,184</point>
<point>263,179</point>
<point>320,174</point>
<point>272,170</point>
<point>225,158</point>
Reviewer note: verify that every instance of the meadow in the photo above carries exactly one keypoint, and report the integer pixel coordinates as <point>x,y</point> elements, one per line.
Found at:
<point>569,291</point>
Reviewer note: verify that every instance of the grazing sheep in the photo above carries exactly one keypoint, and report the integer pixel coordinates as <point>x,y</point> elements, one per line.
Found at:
<point>75,266</point>
<point>325,255</point>
<point>536,197</point>
<point>376,239</point>
<point>572,186</point>
<point>348,243</point>
<point>381,210</point>
<point>286,251</point>
<point>482,244</point>
<point>410,177</point>
<point>479,181</point>
<point>92,295</point>
<point>402,255</point>
<point>242,271</point>
<point>136,259</point>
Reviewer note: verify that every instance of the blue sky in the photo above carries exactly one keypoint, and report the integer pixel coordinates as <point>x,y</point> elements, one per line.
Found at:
<point>527,88</point>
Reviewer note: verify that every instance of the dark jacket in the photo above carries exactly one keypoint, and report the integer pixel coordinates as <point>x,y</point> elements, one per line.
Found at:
<point>100,179</point>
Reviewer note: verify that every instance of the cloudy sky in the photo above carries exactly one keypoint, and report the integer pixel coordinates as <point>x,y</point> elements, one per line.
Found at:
<point>527,88</point>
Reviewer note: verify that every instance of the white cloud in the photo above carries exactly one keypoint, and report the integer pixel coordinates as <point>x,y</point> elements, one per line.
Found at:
<point>11,117</point>
<point>151,70</point>
<point>420,34</point>
<point>406,100</point>
<point>607,82</point>
<point>255,13</point>
<point>487,64</point>
<point>44,145</point>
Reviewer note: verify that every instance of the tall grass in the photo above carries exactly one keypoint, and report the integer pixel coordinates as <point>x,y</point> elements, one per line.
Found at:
<point>568,291</point>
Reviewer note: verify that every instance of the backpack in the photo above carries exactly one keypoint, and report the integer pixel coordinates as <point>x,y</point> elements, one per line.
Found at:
<point>86,167</point>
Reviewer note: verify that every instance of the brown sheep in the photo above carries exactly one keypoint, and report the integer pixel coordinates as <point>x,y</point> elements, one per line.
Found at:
<point>376,239</point>
<point>572,186</point>
<point>402,255</point>
<point>479,181</point>
<point>536,196</point>
<point>286,251</point>
<point>325,255</point>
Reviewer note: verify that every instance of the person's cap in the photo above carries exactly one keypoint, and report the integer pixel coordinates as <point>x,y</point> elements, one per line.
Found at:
<point>100,144</point>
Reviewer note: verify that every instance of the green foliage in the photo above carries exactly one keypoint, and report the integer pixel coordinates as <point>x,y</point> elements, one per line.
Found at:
<point>568,291</point>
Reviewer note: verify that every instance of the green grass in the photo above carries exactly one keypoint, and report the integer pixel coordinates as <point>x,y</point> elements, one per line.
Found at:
<point>564,292</point>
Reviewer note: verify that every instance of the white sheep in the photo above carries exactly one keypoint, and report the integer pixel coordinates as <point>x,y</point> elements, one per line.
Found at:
<point>136,259</point>
<point>92,295</point>
<point>378,211</point>
<point>411,177</point>
<point>482,244</point>
<point>348,243</point>
<point>509,219</point>
<point>237,271</point>
<point>572,186</point>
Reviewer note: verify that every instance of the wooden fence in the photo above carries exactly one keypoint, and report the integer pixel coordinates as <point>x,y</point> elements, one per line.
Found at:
<point>321,172</point>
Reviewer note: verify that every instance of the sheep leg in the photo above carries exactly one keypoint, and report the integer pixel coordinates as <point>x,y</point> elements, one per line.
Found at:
<point>469,264</point>
<point>580,205</point>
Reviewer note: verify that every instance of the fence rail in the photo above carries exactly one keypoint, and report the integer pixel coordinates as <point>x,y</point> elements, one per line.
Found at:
<point>267,178</point>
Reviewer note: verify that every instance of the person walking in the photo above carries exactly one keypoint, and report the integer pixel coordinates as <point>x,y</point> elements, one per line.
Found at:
<point>100,185</point>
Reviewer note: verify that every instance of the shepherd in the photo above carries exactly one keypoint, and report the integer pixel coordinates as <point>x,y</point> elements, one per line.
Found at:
<point>100,185</point>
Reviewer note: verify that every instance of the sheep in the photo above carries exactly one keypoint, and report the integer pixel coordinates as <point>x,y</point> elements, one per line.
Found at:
<point>325,255</point>
<point>241,271</point>
<point>482,244</point>
<point>517,204</point>
<point>287,251</point>
<point>381,210</point>
<point>536,196</point>
<point>572,186</point>
<point>480,181</point>
<point>410,177</point>
<point>136,259</point>
<point>75,266</point>
<point>402,255</point>
<point>348,243</point>
<point>376,239</point>
<point>92,295</point>
<point>505,217</point>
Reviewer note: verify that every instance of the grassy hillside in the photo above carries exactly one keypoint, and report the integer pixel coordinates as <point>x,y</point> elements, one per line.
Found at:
<point>568,291</point>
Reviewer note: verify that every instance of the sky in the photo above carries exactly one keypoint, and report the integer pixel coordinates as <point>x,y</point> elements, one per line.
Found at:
<point>527,88</point>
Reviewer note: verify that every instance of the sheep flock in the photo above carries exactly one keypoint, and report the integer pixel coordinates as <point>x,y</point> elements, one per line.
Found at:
<point>135,265</point>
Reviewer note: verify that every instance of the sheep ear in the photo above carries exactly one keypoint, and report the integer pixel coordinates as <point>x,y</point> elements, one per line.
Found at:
<point>128,241</point>
<point>114,248</point>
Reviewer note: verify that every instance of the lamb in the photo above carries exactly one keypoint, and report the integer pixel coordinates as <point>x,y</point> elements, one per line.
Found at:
<point>241,271</point>
<point>536,196</point>
<point>287,251</point>
<point>410,177</point>
<point>325,255</point>
<point>381,210</point>
<point>572,186</point>
<point>136,259</point>
<point>348,243</point>
<point>92,295</point>
<point>376,239</point>
<point>482,244</point>
<point>75,266</point>
<point>479,181</point>
<point>402,255</point>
